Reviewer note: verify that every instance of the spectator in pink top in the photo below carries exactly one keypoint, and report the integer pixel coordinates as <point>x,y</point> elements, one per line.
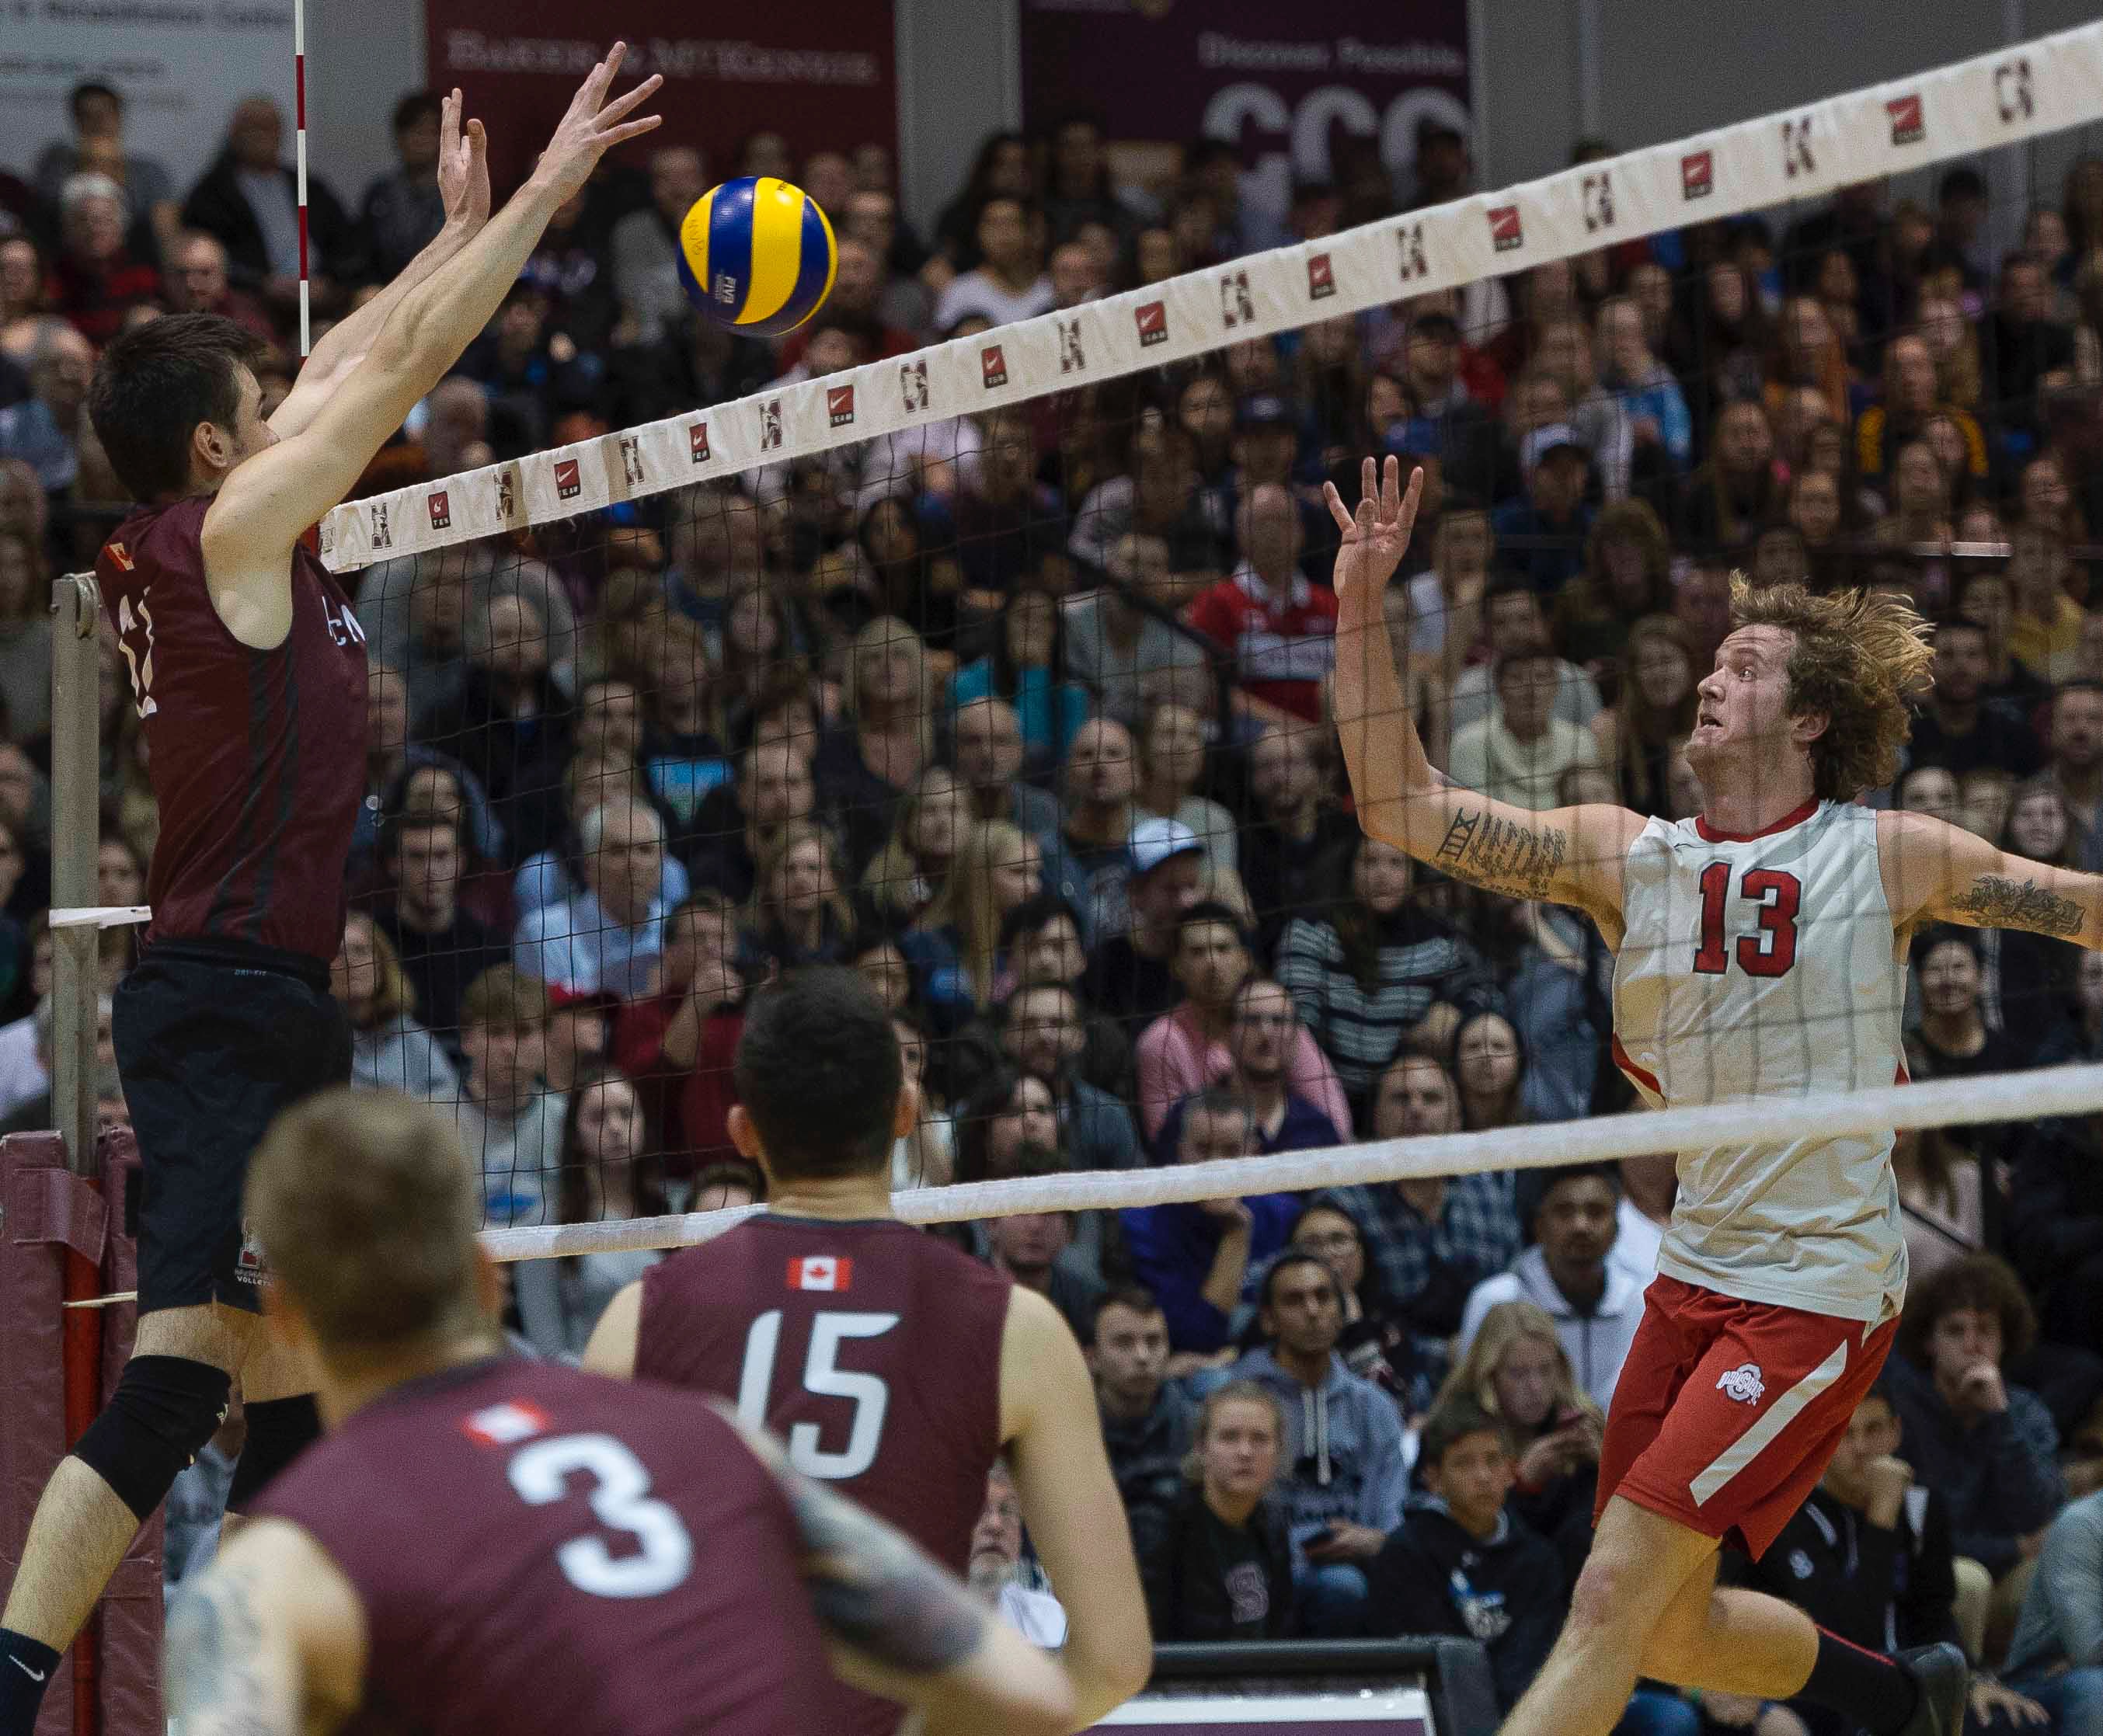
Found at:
<point>1186,1050</point>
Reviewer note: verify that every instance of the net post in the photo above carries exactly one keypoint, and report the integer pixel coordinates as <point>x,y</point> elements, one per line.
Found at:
<point>76,837</point>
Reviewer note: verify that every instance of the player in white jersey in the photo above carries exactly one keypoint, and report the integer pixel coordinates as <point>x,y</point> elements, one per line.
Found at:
<point>1760,951</point>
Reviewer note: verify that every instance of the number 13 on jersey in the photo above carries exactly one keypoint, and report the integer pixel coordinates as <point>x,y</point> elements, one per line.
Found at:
<point>1770,952</point>
<point>823,1377</point>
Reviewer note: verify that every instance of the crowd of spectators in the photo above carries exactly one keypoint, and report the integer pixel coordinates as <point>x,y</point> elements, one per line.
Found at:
<point>1023,717</point>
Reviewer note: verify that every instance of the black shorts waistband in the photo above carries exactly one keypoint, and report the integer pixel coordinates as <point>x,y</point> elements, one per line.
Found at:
<point>242,955</point>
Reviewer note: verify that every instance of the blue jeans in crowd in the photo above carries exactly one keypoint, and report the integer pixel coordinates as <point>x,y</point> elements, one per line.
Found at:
<point>1331,1599</point>
<point>2074,1698</point>
<point>1659,1711</point>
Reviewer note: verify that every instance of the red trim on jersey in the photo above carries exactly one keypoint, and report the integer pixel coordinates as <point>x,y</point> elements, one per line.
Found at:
<point>1795,817</point>
<point>1647,1080</point>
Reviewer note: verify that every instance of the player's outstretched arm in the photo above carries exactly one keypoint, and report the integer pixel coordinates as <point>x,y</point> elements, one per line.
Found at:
<point>1071,1505</point>
<point>268,1641</point>
<point>1934,871</point>
<point>1567,855</point>
<point>269,499</point>
<point>898,1625</point>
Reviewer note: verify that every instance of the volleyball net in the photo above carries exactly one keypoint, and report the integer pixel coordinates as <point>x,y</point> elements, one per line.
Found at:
<point>937,664</point>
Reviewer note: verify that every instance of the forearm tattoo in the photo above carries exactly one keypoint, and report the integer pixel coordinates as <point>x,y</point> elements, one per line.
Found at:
<point>1504,855</point>
<point>214,1677</point>
<point>874,1591</point>
<point>1995,902</point>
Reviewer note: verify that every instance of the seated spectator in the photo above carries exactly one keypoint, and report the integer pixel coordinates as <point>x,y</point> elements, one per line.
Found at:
<point>1542,533</point>
<point>1196,1257</point>
<point>644,245</point>
<point>1293,832</point>
<point>46,430</point>
<point>1379,973</point>
<point>1342,1489</point>
<point>2076,765</point>
<point>1006,1111</point>
<point>1024,669</point>
<point>606,1175</point>
<point>1041,1034</point>
<point>247,199</point>
<point>1984,1446</point>
<point>1988,597</point>
<point>954,945</point>
<point>2057,1656</point>
<point>1952,1040</point>
<point>906,877</point>
<point>995,1570</point>
<point>1007,522</point>
<point>388,1050</point>
<point>986,746</point>
<point>1375,1344</point>
<point>1159,496</point>
<point>2054,1226</point>
<point>1940,1200</point>
<point>1957,726</point>
<point>800,914</point>
<point>1186,1049</point>
<point>1498,1087</point>
<point>1027,1246</point>
<point>402,210</point>
<point>1279,628</point>
<point>1515,616</point>
<point>1652,715</point>
<point>1569,1213</point>
<point>578,1039</point>
<point>593,778</point>
<point>1433,1238</point>
<point>1171,762</point>
<point>1111,645</point>
<point>97,113</point>
<point>927,1156</point>
<point>678,1044</point>
<point>887,734</point>
<point>25,636</point>
<point>1220,1567</point>
<point>1262,1034</point>
<point>1517,1370</point>
<point>1912,397</point>
<point>510,712</point>
<point>510,1129</point>
<point>1149,1419</point>
<point>1735,490</point>
<point>34,1114</point>
<point>1129,975</point>
<point>1459,1563</point>
<point>1009,283</point>
<point>774,789</point>
<point>99,282</point>
<point>2044,627</point>
<point>2023,347</point>
<point>611,935</point>
<point>1454,428</point>
<point>442,945</point>
<point>1519,753</point>
<point>1650,396</point>
<point>1448,599</point>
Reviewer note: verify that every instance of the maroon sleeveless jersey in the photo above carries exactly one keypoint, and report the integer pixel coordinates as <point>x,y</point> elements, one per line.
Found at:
<point>542,1552</point>
<point>872,1349</point>
<point>258,757</point>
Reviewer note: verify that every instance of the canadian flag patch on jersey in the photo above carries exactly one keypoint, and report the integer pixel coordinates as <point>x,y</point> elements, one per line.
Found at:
<point>504,1425</point>
<point>820,1271</point>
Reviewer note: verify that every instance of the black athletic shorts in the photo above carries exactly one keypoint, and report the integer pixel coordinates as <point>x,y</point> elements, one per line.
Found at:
<point>213,1039</point>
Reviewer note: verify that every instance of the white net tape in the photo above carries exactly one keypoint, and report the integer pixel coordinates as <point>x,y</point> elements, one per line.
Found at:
<point>2020,92</point>
<point>1992,1097</point>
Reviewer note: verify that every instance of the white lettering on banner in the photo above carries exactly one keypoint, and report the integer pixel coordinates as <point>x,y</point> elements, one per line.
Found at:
<point>2041,87</point>
<point>685,57</point>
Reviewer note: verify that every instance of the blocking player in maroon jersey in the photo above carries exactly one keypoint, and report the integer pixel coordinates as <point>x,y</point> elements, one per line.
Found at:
<point>247,670</point>
<point>897,1367</point>
<point>485,1544</point>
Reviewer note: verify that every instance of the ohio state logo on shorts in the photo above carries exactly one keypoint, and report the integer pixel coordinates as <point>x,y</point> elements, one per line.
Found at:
<point>1742,1383</point>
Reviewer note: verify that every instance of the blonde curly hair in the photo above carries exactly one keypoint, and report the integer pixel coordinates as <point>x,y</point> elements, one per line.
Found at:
<point>1860,656</point>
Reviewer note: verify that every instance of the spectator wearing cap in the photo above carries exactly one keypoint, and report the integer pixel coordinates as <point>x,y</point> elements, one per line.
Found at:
<point>1542,535</point>
<point>1570,1218</point>
<point>1519,752</point>
<point>98,282</point>
<point>1269,435</point>
<point>1129,978</point>
<point>1186,1049</point>
<point>611,934</point>
<point>1279,627</point>
<point>1196,1256</point>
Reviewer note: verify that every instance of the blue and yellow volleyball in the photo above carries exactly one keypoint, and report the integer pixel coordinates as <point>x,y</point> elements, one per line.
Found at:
<point>757,256</point>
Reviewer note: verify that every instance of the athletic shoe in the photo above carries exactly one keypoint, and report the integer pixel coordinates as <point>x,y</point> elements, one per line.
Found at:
<point>1944,1681</point>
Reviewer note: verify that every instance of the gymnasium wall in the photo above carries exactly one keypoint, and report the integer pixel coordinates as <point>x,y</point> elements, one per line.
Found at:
<point>1638,70</point>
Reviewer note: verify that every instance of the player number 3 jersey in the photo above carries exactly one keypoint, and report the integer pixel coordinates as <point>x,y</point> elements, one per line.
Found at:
<point>1767,967</point>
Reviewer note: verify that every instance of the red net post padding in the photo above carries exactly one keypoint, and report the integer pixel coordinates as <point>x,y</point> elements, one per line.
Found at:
<point>128,1675</point>
<point>46,1213</point>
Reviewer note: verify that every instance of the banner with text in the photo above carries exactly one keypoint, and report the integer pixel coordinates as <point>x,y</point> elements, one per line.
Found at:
<point>1278,81</point>
<point>180,64</point>
<point>821,73</point>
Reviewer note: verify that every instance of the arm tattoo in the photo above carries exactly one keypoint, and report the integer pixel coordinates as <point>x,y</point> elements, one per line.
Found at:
<point>214,1687</point>
<point>875,1592</point>
<point>1995,902</point>
<point>1505,855</point>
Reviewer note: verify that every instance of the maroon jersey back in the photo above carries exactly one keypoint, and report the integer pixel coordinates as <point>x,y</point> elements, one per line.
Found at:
<point>871,1348</point>
<point>542,1552</point>
<point>258,757</point>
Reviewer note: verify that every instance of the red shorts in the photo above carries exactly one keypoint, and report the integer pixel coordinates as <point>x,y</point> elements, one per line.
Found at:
<point>1727,1413</point>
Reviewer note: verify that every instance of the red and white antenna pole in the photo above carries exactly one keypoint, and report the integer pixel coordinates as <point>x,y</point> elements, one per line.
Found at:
<point>300,135</point>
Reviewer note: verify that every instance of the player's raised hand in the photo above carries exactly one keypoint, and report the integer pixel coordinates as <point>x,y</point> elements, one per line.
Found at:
<point>593,126</point>
<point>1376,537</point>
<point>463,166</point>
